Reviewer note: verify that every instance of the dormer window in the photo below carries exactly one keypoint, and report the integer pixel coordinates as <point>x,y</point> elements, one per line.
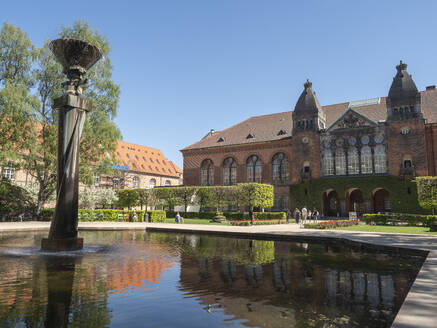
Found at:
<point>221,139</point>
<point>281,132</point>
<point>250,136</point>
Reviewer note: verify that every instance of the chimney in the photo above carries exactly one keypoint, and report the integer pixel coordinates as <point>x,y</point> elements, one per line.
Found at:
<point>430,87</point>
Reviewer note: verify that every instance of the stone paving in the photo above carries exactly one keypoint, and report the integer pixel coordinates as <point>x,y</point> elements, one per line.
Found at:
<point>418,310</point>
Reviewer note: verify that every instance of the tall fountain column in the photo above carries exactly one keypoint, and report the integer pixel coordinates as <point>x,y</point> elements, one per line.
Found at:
<point>76,57</point>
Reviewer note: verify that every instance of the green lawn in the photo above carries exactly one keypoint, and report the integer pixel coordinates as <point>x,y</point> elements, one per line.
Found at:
<point>195,221</point>
<point>392,229</point>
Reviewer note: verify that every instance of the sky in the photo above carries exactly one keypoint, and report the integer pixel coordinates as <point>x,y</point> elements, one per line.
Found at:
<point>185,66</point>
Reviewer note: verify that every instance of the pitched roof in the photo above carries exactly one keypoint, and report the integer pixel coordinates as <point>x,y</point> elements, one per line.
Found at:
<point>145,159</point>
<point>267,127</point>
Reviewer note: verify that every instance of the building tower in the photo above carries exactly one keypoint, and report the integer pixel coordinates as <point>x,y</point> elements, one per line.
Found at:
<point>308,115</point>
<point>403,101</point>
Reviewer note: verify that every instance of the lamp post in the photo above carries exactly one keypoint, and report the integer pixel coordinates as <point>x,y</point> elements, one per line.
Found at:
<point>76,57</point>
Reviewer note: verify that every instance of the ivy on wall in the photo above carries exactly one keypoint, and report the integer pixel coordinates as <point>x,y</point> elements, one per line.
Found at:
<point>402,193</point>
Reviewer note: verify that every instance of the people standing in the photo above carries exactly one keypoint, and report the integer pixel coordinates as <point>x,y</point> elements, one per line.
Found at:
<point>304,214</point>
<point>134,215</point>
<point>177,218</point>
<point>288,215</point>
<point>297,215</point>
<point>251,216</point>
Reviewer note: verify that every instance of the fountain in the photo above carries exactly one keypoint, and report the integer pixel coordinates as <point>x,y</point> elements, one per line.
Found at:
<point>76,57</point>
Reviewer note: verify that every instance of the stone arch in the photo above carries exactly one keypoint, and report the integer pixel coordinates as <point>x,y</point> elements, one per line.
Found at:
<point>355,200</point>
<point>331,203</point>
<point>380,200</point>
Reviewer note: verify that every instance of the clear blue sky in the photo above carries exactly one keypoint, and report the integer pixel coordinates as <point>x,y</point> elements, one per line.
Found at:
<point>185,67</point>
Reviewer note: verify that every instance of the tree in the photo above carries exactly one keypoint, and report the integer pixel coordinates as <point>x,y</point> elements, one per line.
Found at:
<point>16,103</point>
<point>146,197</point>
<point>203,197</point>
<point>127,198</point>
<point>92,197</point>
<point>221,196</point>
<point>14,200</point>
<point>166,197</point>
<point>427,192</point>
<point>29,120</point>
<point>185,195</point>
<point>256,194</point>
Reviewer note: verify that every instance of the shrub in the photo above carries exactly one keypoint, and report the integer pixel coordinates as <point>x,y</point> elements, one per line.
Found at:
<point>113,215</point>
<point>259,222</point>
<point>331,224</point>
<point>47,214</point>
<point>229,215</point>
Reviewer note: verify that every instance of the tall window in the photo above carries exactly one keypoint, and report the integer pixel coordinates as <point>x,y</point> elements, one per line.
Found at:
<point>152,183</point>
<point>254,169</point>
<point>116,183</point>
<point>167,182</point>
<point>380,159</point>
<point>207,173</point>
<point>96,180</point>
<point>280,169</point>
<point>229,171</point>
<point>136,182</point>
<point>353,164</point>
<point>366,160</point>
<point>327,162</point>
<point>340,162</point>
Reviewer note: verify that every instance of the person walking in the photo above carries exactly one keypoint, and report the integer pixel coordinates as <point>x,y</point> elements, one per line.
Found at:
<point>297,215</point>
<point>251,216</point>
<point>288,215</point>
<point>304,214</point>
<point>177,218</point>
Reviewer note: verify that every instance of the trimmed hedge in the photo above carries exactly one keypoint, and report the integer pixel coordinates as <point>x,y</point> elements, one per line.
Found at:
<point>112,215</point>
<point>404,219</point>
<point>331,224</point>
<point>259,222</point>
<point>228,215</point>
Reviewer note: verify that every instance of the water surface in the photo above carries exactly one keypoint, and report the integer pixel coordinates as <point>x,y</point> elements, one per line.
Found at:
<point>138,279</point>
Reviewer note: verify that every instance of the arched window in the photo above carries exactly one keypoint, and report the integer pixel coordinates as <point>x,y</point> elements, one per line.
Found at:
<point>136,182</point>
<point>340,162</point>
<point>152,183</point>
<point>366,160</point>
<point>353,162</point>
<point>407,161</point>
<point>116,183</point>
<point>280,169</point>
<point>229,171</point>
<point>207,173</point>
<point>327,162</point>
<point>254,169</point>
<point>167,182</point>
<point>380,159</point>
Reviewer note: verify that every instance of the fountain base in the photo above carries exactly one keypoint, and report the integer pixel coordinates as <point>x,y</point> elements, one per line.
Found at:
<point>57,245</point>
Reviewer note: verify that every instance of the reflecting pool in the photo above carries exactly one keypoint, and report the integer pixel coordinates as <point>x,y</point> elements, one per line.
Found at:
<point>138,279</point>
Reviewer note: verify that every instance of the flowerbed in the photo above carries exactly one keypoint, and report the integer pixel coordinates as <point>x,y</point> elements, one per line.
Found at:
<point>259,222</point>
<point>331,224</point>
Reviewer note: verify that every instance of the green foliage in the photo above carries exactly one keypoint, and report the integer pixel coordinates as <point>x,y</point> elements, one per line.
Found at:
<point>127,197</point>
<point>258,222</point>
<point>331,224</point>
<point>91,197</point>
<point>167,197</point>
<point>427,191</point>
<point>255,194</point>
<point>203,196</point>
<point>14,201</point>
<point>229,215</point>
<point>116,215</point>
<point>400,219</point>
<point>403,193</point>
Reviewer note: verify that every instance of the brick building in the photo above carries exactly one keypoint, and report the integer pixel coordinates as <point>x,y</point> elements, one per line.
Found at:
<point>140,167</point>
<point>353,156</point>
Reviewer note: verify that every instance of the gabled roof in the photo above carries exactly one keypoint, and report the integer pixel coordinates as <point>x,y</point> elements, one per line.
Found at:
<point>349,117</point>
<point>145,159</point>
<point>266,127</point>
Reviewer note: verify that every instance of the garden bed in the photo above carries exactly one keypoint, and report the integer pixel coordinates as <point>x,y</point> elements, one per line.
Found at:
<point>331,224</point>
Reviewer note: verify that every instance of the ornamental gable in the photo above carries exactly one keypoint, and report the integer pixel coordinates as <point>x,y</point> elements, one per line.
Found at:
<point>351,119</point>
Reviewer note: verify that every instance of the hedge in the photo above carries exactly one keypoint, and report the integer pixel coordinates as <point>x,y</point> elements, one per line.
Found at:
<point>108,215</point>
<point>258,222</point>
<point>404,219</point>
<point>331,224</point>
<point>228,215</point>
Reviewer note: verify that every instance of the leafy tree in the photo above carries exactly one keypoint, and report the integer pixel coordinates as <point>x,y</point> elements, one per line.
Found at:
<point>166,197</point>
<point>427,192</point>
<point>14,200</point>
<point>256,194</point>
<point>28,120</point>
<point>185,195</point>
<point>146,197</point>
<point>221,196</point>
<point>92,197</point>
<point>127,198</point>
<point>203,197</point>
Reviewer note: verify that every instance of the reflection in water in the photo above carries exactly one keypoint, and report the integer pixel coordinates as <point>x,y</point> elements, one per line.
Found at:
<point>128,279</point>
